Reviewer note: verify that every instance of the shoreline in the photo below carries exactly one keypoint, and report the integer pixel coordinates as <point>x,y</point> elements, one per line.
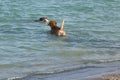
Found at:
<point>103,73</point>
<point>104,76</point>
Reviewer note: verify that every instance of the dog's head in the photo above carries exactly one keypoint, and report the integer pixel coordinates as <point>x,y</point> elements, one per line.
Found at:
<point>44,19</point>
<point>52,23</point>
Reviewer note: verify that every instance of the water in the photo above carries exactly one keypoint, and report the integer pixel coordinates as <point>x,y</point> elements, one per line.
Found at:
<point>28,48</point>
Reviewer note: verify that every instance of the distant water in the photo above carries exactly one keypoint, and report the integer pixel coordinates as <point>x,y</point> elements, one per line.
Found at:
<point>28,48</point>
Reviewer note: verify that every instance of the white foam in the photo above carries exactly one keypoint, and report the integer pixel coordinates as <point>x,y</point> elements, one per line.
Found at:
<point>13,78</point>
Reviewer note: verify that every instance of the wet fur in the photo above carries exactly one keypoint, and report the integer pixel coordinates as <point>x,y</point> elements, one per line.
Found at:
<point>55,29</point>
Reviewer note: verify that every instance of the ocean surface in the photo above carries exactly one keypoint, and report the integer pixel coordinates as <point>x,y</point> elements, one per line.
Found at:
<point>27,48</point>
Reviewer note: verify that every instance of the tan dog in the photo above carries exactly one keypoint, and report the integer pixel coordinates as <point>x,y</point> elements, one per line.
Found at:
<point>59,31</point>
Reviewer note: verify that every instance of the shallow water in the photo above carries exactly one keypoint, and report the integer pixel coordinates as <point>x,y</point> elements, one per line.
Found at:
<point>28,48</point>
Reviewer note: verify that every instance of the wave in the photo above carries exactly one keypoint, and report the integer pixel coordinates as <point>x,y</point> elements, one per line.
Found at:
<point>87,69</point>
<point>43,75</point>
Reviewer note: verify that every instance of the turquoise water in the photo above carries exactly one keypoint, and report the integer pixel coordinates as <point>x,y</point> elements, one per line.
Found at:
<point>28,48</point>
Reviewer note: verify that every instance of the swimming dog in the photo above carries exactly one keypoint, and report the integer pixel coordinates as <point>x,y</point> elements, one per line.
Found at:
<point>59,31</point>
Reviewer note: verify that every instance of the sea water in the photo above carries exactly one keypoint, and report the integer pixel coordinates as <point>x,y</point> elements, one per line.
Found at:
<point>28,47</point>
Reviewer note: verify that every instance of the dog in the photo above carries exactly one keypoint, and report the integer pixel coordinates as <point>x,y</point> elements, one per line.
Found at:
<point>58,31</point>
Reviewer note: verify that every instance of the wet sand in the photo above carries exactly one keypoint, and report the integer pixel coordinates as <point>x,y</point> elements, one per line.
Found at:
<point>110,76</point>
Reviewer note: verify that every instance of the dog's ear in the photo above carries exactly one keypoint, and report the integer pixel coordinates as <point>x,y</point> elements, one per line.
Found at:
<point>52,23</point>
